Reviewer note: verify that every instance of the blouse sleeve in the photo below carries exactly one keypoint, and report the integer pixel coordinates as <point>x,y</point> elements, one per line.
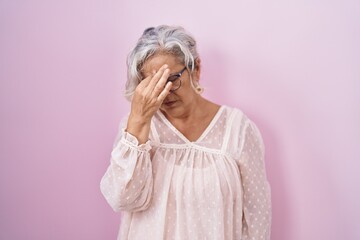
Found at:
<point>128,182</point>
<point>256,189</point>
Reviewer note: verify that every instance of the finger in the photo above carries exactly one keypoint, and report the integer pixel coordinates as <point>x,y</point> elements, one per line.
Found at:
<point>164,92</point>
<point>145,82</point>
<point>141,87</point>
<point>157,77</point>
<point>159,87</point>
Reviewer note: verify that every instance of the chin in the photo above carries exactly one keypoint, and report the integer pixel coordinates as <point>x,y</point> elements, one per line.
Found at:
<point>171,108</point>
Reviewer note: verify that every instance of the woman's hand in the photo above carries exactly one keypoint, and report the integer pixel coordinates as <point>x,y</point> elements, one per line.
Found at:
<point>150,94</point>
<point>147,99</point>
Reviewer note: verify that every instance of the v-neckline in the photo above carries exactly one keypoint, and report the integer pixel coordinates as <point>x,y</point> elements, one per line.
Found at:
<point>203,134</point>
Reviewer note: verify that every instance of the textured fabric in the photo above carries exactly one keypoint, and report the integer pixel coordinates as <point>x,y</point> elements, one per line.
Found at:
<point>171,188</point>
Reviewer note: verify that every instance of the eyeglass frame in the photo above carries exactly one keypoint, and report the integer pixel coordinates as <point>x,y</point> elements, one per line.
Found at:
<point>177,77</point>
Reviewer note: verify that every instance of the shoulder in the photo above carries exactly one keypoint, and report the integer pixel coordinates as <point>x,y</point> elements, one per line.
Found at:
<point>240,122</point>
<point>236,116</point>
<point>242,128</point>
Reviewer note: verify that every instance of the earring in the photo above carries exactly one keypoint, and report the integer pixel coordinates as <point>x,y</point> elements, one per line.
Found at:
<point>199,89</point>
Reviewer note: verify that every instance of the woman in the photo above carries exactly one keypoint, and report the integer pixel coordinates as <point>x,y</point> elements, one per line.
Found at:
<point>183,167</point>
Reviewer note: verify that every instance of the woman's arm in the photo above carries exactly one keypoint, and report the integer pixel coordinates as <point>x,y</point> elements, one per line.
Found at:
<point>256,189</point>
<point>127,183</point>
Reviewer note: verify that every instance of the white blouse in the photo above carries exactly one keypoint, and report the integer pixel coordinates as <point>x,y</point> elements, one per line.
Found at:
<point>171,188</point>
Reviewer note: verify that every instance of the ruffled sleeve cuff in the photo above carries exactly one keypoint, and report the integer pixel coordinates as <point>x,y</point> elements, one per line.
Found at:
<point>132,142</point>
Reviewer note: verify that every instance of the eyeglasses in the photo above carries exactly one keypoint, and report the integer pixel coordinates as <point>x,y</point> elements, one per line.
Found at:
<point>172,78</point>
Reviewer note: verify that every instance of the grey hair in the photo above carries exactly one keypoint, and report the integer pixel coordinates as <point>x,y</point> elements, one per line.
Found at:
<point>161,39</point>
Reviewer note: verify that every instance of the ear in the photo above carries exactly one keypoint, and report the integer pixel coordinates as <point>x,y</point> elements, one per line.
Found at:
<point>197,68</point>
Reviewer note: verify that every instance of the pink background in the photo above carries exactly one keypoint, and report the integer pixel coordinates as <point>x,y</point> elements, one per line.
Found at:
<point>292,66</point>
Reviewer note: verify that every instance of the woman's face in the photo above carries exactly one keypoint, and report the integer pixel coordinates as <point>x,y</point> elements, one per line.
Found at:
<point>180,101</point>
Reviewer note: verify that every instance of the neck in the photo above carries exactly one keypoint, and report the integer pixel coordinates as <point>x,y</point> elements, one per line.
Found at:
<point>192,120</point>
<point>197,109</point>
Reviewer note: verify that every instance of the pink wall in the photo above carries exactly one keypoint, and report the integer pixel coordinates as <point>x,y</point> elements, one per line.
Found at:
<point>293,67</point>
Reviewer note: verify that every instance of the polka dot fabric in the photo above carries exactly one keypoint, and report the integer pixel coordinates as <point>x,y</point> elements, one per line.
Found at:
<point>172,188</point>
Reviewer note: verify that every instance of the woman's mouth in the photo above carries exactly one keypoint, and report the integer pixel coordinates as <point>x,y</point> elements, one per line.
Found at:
<point>169,103</point>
